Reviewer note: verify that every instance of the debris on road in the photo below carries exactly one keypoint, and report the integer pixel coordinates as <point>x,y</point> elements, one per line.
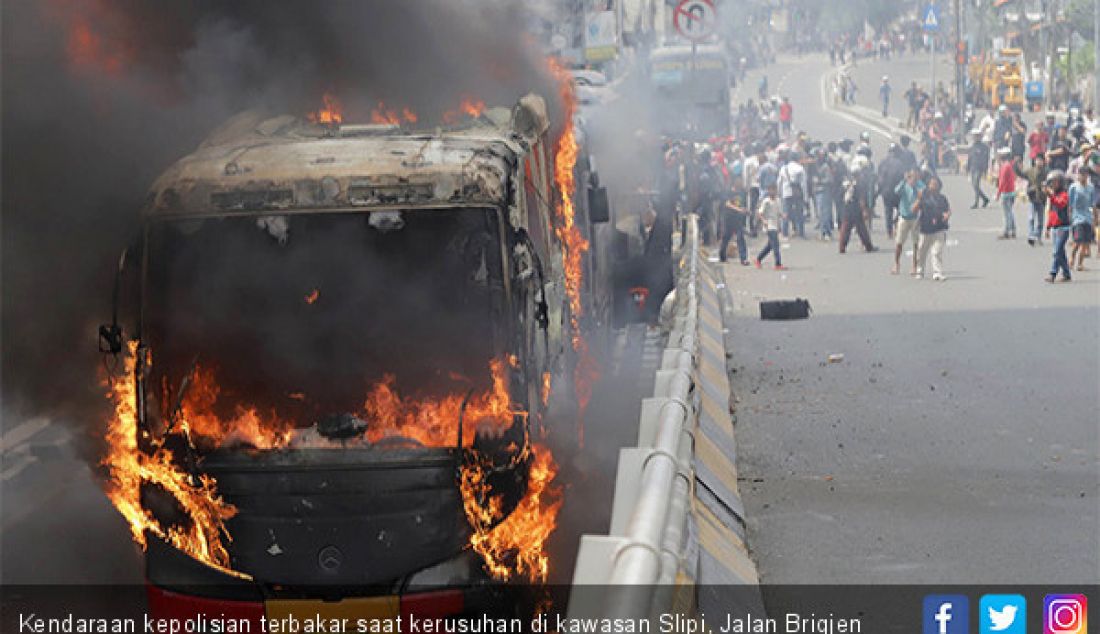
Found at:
<point>783,309</point>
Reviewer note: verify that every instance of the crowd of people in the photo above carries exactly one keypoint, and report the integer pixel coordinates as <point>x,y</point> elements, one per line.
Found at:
<point>772,183</point>
<point>849,47</point>
<point>1055,166</point>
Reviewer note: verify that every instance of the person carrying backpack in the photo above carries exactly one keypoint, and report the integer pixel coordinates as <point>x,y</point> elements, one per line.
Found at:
<point>792,188</point>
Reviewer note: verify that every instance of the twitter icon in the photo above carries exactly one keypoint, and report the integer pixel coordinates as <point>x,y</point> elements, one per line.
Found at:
<point>1002,614</point>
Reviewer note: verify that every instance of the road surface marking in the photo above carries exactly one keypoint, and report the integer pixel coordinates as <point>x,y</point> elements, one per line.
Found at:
<point>23,432</point>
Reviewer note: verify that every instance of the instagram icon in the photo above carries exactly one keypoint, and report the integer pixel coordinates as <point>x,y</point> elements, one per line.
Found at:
<point>1065,614</point>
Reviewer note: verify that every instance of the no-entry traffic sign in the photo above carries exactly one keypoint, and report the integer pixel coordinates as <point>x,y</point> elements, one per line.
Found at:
<point>695,19</point>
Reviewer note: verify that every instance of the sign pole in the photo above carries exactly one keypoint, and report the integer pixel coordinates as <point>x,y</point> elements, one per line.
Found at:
<point>932,57</point>
<point>960,86</point>
<point>931,27</point>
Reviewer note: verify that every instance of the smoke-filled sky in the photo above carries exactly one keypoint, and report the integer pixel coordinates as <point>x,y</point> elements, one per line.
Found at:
<point>99,96</point>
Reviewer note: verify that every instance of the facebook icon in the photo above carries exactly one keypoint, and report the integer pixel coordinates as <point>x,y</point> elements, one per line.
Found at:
<point>946,614</point>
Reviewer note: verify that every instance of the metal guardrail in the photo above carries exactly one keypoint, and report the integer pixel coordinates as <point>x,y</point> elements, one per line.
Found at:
<point>642,557</point>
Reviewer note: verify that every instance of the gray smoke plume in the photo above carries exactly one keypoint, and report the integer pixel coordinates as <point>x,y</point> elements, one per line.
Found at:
<point>99,96</point>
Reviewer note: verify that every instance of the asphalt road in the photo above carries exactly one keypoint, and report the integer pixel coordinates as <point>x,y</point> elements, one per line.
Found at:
<point>57,526</point>
<point>957,441</point>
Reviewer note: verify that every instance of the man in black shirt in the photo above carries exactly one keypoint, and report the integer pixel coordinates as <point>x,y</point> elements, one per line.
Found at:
<point>912,97</point>
<point>977,164</point>
<point>908,158</point>
<point>734,212</point>
<point>1061,148</point>
<point>858,198</point>
<point>934,214</point>
<point>890,173</point>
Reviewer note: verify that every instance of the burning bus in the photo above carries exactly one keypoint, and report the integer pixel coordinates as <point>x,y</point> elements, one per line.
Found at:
<point>337,353</point>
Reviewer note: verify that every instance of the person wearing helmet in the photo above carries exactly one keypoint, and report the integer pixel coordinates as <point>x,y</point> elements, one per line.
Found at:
<point>884,94</point>
<point>859,194</point>
<point>1058,224</point>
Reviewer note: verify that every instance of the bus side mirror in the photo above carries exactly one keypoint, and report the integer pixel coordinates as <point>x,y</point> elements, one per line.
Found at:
<point>599,209</point>
<point>110,335</point>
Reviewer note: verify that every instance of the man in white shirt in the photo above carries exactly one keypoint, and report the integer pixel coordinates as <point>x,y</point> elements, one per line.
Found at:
<point>792,189</point>
<point>985,128</point>
<point>750,169</point>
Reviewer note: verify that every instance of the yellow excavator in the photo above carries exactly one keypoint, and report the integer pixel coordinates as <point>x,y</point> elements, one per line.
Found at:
<point>1001,79</point>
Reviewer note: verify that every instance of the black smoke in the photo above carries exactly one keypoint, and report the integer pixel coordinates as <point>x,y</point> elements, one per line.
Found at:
<point>99,96</point>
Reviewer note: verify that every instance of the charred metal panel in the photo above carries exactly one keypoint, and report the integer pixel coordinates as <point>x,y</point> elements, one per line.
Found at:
<point>350,516</point>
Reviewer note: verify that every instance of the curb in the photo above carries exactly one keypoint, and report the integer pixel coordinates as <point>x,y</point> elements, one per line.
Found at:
<point>718,514</point>
<point>860,115</point>
<point>677,537</point>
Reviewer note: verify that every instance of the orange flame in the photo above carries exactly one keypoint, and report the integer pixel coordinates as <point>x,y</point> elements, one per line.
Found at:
<point>87,49</point>
<point>429,421</point>
<point>512,547</point>
<point>331,114</point>
<point>92,36</point>
<point>574,244</point>
<point>545,395</point>
<point>381,115</point>
<point>471,107</point>
<point>432,421</point>
<point>313,296</point>
<point>247,425</point>
<point>130,468</point>
<point>516,546</point>
<point>468,107</point>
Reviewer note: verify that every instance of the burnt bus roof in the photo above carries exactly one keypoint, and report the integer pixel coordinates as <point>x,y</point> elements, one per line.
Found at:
<point>254,164</point>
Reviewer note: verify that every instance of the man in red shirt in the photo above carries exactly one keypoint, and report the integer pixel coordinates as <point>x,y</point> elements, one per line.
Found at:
<point>786,115</point>
<point>1058,224</point>
<point>1037,142</point>
<point>1006,191</point>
